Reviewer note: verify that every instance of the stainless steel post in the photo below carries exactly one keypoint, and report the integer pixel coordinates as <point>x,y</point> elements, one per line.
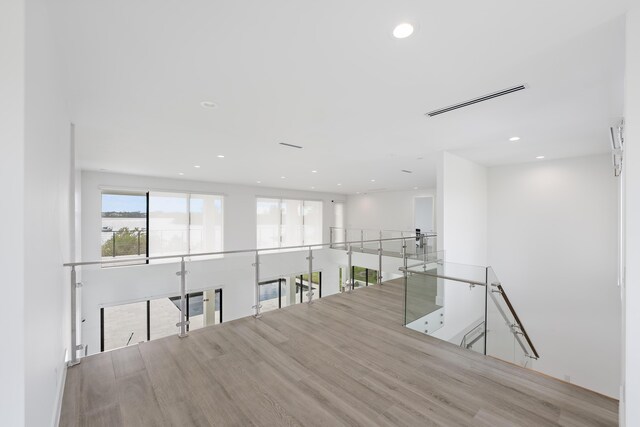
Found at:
<point>404,252</point>
<point>380,261</point>
<point>406,278</point>
<point>350,278</point>
<point>74,321</point>
<point>183,299</point>
<point>331,237</point>
<point>361,239</point>
<point>310,281</point>
<point>257,307</point>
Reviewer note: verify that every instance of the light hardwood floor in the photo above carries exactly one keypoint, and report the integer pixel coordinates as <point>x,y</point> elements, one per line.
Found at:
<point>343,360</point>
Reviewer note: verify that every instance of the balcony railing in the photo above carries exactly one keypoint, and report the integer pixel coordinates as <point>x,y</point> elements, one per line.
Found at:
<point>481,317</point>
<point>362,239</point>
<point>466,305</point>
<point>240,272</point>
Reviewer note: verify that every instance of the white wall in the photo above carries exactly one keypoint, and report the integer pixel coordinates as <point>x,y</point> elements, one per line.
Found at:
<point>389,210</point>
<point>462,233</point>
<point>48,182</point>
<point>12,27</point>
<point>462,208</point>
<point>35,179</point>
<point>552,243</point>
<point>630,411</point>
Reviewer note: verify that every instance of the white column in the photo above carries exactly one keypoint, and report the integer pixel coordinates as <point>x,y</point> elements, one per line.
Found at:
<point>629,408</point>
<point>12,122</point>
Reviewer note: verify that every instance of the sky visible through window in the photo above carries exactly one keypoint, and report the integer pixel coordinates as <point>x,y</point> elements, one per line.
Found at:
<point>124,203</point>
<point>129,203</point>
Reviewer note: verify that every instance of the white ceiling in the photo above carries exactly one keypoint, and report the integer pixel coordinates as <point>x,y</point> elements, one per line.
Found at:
<point>328,75</point>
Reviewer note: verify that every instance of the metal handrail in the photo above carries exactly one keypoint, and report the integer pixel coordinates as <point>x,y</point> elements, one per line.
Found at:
<point>517,319</point>
<point>252,251</point>
<point>426,233</point>
<point>442,276</point>
<point>501,291</point>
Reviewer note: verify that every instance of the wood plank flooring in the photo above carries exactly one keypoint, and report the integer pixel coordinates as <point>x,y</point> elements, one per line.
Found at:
<point>343,360</point>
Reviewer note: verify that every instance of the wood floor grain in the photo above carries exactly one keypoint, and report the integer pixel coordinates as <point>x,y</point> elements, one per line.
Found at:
<point>344,360</point>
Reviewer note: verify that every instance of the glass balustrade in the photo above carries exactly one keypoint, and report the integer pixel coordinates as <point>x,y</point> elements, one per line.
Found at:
<point>465,305</point>
<point>148,298</point>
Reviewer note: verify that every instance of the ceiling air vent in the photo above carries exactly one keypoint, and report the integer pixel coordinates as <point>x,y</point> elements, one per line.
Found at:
<point>406,171</point>
<point>477,100</point>
<point>290,145</point>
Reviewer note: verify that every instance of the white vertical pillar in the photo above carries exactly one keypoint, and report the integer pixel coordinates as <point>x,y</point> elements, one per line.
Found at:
<point>630,396</point>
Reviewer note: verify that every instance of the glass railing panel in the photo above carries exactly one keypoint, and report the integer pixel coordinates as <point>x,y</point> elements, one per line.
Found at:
<point>392,247</point>
<point>450,270</point>
<point>421,297</point>
<point>446,300</point>
<point>506,338</point>
<point>284,277</point>
<point>449,310</point>
<point>369,246</point>
<point>338,236</point>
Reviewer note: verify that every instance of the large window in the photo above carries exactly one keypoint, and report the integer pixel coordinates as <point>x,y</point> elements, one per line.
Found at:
<point>136,225</point>
<point>288,222</point>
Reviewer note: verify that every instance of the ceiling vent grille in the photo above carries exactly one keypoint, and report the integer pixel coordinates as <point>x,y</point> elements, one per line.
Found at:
<point>290,145</point>
<point>406,171</point>
<point>477,100</point>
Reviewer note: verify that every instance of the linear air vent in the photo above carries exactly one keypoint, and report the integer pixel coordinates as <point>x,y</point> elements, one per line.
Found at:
<point>406,171</point>
<point>290,145</point>
<point>477,100</point>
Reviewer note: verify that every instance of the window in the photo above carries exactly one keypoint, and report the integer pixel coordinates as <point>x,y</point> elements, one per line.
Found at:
<point>182,223</point>
<point>288,291</point>
<point>124,225</point>
<point>129,324</point>
<point>137,225</point>
<point>288,222</point>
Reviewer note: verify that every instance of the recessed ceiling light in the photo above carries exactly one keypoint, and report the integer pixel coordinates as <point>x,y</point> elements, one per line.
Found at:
<point>415,188</point>
<point>339,184</point>
<point>357,192</point>
<point>282,177</point>
<point>258,182</point>
<point>313,188</point>
<point>197,166</point>
<point>540,157</point>
<point>180,173</point>
<point>373,180</point>
<point>209,104</point>
<point>314,171</point>
<point>402,31</point>
<point>220,156</point>
<point>514,138</point>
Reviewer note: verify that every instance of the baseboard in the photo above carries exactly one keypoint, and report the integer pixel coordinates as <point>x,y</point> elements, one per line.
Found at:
<point>60,392</point>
